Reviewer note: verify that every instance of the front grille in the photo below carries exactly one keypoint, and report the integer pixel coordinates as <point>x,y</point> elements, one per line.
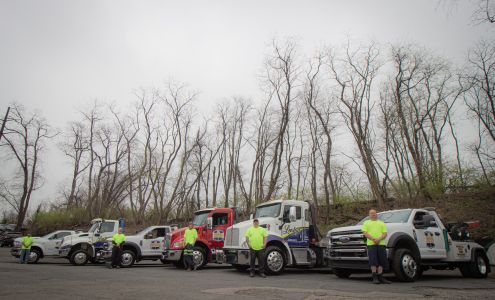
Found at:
<point>232,237</point>
<point>348,240</point>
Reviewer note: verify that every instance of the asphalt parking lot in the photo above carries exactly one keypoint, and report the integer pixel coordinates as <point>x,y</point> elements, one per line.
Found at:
<point>57,279</point>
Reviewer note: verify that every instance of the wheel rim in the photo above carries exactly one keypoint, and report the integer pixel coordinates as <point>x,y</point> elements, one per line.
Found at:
<point>275,261</point>
<point>33,256</point>
<point>198,258</point>
<point>80,258</point>
<point>127,259</point>
<point>409,265</point>
<point>481,265</point>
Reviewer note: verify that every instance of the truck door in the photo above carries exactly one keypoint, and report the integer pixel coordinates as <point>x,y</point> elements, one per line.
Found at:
<point>51,246</point>
<point>216,235</point>
<point>107,230</point>
<point>430,239</point>
<point>294,232</point>
<point>151,244</point>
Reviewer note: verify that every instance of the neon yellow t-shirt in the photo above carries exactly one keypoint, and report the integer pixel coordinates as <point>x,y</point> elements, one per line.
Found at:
<point>375,229</point>
<point>256,237</point>
<point>27,241</point>
<point>118,238</point>
<point>190,236</point>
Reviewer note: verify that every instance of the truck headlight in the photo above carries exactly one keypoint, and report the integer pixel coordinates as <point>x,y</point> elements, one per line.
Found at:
<point>17,244</point>
<point>177,245</point>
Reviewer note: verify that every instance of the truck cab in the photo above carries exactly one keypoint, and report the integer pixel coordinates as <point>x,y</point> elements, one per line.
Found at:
<point>83,247</point>
<point>211,224</point>
<point>144,245</point>
<point>45,246</point>
<point>293,237</point>
<point>416,241</point>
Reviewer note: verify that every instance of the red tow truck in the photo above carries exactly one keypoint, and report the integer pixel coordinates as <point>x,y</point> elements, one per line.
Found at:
<point>211,224</point>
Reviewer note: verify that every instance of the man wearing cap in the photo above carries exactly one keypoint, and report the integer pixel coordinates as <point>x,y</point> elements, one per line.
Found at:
<point>256,240</point>
<point>190,237</point>
<point>118,240</point>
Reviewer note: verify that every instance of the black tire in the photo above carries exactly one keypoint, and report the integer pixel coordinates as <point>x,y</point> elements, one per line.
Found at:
<point>241,268</point>
<point>342,273</point>
<point>34,256</point>
<point>79,257</point>
<point>405,265</point>
<point>478,268</point>
<point>127,259</point>
<point>274,260</point>
<point>200,257</point>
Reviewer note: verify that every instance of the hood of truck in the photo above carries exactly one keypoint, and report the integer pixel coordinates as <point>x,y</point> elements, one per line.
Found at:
<point>345,228</point>
<point>234,237</point>
<point>76,238</point>
<point>177,237</point>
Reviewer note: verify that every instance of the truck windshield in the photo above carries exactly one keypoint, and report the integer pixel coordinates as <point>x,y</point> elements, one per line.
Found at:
<point>272,210</point>
<point>200,218</point>
<point>397,216</point>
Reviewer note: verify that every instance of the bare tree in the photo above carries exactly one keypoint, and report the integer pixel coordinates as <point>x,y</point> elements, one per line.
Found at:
<point>354,74</point>
<point>24,139</point>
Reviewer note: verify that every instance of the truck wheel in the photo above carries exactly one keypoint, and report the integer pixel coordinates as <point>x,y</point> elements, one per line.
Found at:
<point>478,268</point>
<point>405,265</point>
<point>34,256</point>
<point>127,259</point>
<point>199,257</point>
<point>342,273</point>
<point>79,258</point>
<point>274,260</point>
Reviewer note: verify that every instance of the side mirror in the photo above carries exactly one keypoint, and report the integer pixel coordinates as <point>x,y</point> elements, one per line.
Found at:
<point>292,214</point>
<point>209,222</point>
<point>149,235</point>
<point>251,216</point>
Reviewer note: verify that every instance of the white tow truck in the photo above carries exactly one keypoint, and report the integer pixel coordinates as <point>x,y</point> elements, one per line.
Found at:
<point>144,245</point>
<point>88,246</point>
<point>417,240</point>
<point>293,238</point>
<point>45,246</point>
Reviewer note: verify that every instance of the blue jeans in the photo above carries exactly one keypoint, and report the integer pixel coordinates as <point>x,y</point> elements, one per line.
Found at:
<point>25,255</point>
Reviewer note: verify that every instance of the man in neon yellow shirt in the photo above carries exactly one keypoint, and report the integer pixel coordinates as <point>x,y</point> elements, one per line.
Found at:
<point>190,237</point>
<point>256,240</point>
<point>27,242</point>
<point>118,240</point>
<point>375,232</point>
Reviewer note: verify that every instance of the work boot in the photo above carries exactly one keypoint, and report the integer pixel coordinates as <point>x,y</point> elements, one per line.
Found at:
<point>383,280</point>
<point>375,278</point>
<point>263,275</point>
<point>251,274</point>
<point>195,267</point>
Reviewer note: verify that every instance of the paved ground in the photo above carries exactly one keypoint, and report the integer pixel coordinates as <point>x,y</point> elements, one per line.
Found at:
<point>56,279</point>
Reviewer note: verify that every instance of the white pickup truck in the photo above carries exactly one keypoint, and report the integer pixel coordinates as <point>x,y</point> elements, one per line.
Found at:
<point>144,245</point>
<point>45,246</point>
<point>417,240</point>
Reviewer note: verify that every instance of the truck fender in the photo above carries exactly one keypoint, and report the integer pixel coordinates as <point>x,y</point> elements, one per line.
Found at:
<point>272,240</point>
<point>89,248</point>
<point>477,248</point>
<point>134,247</point>
<point>403,240</point>
<point>203,244</point>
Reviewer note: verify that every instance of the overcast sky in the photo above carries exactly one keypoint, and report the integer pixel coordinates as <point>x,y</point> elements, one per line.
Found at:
<point>56,56</point>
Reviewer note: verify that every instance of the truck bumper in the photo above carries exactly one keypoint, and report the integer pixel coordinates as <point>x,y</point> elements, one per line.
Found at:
<point>236,256</point>
<point>171,255</point>
<point>16,252</point>
<point>103,254</point>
